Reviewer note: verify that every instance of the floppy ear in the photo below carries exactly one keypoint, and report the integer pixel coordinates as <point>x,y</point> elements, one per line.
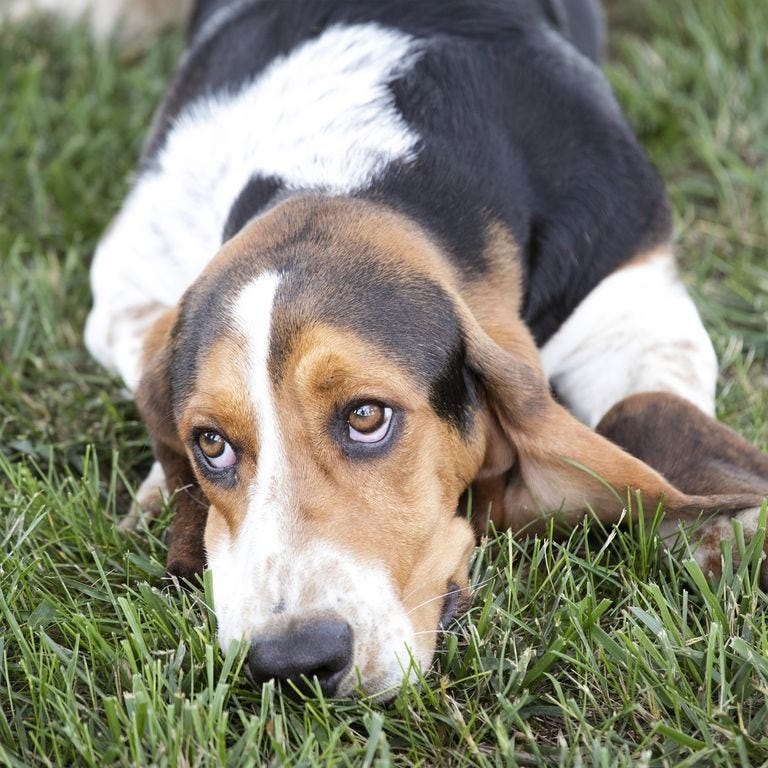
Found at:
<point>186,556</point>
<point>693,451</point>
<point>548,461</point>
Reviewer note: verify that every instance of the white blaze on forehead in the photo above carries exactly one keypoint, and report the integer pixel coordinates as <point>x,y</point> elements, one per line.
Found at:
<point>320,117</point>
<point>252,317</point>
<point>267,512</point>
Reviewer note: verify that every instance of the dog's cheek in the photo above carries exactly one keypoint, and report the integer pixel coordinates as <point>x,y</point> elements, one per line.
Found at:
<point>225,581</point>
<point>440,580</point>
<point>217,531</point>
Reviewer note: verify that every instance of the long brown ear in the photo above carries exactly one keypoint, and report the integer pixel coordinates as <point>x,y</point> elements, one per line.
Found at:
<point>693,451</point>
<point>186,556</point>
<point>550,461</point>
<point>153,394</point>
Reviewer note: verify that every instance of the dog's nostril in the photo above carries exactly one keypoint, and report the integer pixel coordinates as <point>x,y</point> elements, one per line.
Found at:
<point>321,649</point>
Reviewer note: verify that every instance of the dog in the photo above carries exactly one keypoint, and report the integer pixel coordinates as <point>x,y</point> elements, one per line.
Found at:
<point>378,252</point>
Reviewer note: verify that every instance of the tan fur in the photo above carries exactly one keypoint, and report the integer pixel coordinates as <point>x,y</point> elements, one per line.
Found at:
<point>153,395</point>
<point>430,465</point>
<point>496,298</point>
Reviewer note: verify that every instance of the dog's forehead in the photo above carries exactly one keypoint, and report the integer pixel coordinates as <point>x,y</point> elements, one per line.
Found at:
<point>404,316</point>
<point>396,310</point>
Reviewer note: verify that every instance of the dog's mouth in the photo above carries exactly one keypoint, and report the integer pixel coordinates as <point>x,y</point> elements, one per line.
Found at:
<point>452,603</point>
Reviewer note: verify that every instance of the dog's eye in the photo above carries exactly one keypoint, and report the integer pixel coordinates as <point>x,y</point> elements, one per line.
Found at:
<point>369,422</point>
<point>217,452</point>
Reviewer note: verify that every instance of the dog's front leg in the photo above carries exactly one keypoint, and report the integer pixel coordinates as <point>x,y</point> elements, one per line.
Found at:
<point>150,497</point>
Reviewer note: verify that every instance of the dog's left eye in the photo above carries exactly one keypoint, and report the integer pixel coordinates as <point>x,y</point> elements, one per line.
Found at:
<point>369,422</point>
<point>218,453</point>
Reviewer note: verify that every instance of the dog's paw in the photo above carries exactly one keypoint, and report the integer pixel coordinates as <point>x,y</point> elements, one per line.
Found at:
<point>149,500</point>
<point>706,549</point>
<point>186,573</point>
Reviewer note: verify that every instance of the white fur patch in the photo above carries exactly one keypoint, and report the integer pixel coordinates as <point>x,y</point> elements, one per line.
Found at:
<point>320,117</point>
<point>149,499</point>
<point>267,496</point>
<point>637,331</point>
<point>706,538</point>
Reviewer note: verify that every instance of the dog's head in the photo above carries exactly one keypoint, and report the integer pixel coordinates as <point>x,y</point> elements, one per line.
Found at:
<point>335,393</point>
<point>314,379</point>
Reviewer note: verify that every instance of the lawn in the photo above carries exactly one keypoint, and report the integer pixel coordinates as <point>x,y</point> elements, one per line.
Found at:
<point>600,650</point>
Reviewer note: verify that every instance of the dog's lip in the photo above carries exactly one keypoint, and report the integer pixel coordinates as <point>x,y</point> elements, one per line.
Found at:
<point>451,603</point>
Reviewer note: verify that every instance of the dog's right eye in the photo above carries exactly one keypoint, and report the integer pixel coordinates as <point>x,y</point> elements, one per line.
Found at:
<point>217,452</point>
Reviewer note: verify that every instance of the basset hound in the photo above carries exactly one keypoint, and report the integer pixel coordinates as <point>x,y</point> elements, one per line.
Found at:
<point>378,252</point>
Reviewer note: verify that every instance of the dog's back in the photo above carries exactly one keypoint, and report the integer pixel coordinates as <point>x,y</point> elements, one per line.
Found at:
<point>471,112</point>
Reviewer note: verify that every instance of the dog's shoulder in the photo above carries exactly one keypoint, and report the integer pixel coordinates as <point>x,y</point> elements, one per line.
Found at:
<point>522,129</point>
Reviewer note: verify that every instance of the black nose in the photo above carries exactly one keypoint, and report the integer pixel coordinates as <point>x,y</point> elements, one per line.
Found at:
<point>320,648</point>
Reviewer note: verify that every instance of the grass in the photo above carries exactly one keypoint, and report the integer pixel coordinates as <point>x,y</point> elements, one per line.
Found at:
<point>601,650</point>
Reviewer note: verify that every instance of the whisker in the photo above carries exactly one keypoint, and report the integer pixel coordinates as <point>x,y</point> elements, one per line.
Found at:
<point>441,632</point>
<point>406,596</point>
<point>430,600</point>
<point>472,589</point>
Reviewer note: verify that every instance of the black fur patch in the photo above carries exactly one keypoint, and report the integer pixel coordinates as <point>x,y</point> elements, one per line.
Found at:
<point>254,197</point>
<point>453,392</point>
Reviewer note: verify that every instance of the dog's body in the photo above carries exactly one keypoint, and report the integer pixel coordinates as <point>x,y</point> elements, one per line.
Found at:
<point>352,226</point>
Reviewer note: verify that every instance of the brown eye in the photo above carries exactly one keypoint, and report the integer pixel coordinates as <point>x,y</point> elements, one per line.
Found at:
<point>217,452</point>
<point>369,422</point>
